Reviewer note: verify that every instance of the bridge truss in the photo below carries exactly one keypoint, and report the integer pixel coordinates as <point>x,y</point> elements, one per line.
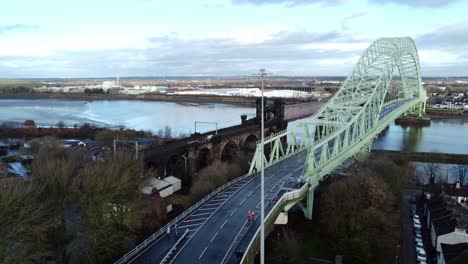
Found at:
<point>385,84</point>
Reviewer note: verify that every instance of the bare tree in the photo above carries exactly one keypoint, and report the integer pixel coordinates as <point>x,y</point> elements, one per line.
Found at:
<point>462,172</point>
<point>60,124</point>
<point>444,177</point>
<point>432,170</point>
<point>168,132</point>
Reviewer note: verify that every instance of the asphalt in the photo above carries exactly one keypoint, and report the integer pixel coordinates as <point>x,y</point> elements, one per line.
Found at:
<point>218,227</point>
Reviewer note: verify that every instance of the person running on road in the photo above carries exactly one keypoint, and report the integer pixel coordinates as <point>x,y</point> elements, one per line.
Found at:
<point>249,215</point>
<point>276,198</point>
<point>175,229</point>
<point>253,215</point>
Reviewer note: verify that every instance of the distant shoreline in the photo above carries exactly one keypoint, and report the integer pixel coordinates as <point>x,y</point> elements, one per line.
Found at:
<point>236,100</point>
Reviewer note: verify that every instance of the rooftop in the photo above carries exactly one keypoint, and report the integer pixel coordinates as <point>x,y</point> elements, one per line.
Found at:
<point>455,254</point>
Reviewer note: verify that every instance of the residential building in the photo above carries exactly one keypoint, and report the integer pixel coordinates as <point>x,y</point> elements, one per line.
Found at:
<point>453,254</point>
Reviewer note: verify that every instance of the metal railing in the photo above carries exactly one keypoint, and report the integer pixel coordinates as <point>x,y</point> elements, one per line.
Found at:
<point>142,246</point>
<point>284,131</point>
<point>254,244</point>
<point>169,254</point>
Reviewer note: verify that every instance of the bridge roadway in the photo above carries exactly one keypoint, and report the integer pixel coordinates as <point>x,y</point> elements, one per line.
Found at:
<point>217,227</point>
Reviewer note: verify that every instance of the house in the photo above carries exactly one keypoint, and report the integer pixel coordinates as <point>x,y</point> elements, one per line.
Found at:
<point>440,228</point>
<point>454,191</point>
<point>164,187</point>
<point>453,254</point>
<point>447,215</point>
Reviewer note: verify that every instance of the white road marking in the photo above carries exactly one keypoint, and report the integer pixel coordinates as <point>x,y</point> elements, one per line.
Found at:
<point>235,239</point>
<point>189,225</point>
<point>200,214</point>
<point>234,211</point>
<point>204,209</point>
<point>214,237</point>
<point>249,194</point>
<point>224,224</point>
<point>202,253</point>
<point>214,204</point>
<point>193,220</point>
<point>243,201</point>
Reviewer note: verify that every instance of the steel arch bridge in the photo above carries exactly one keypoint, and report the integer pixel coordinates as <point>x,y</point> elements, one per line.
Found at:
<point>384,84</point>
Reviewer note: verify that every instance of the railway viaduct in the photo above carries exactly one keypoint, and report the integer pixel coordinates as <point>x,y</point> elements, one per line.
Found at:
<point>185,157</point>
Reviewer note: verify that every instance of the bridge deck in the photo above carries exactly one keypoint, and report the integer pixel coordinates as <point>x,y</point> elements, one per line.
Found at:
<point>219,226</point>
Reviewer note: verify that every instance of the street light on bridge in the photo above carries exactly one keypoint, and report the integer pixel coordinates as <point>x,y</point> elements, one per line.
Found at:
<point>262,73</point>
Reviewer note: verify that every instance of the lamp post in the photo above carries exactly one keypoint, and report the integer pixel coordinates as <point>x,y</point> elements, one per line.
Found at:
<point>397,251</point>
<point>262,73</point>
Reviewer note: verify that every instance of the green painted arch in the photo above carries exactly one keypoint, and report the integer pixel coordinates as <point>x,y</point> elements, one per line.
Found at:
<point>368,82</point>
<point>356,109</point>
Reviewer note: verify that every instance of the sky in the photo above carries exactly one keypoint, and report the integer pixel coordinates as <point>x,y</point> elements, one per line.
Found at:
<point>90,38</point>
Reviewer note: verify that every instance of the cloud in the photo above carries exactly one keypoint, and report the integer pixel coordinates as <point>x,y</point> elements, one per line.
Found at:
<point>443,51</point>
<point>346,20</point>
<point>283,53</point>
<point>287,2</point>
<point>17,27</point>
<point>417,3</point>
<point>448,37</point>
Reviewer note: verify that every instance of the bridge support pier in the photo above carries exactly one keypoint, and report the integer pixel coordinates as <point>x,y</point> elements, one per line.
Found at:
<point>308,209</point>
<point>364,152</point>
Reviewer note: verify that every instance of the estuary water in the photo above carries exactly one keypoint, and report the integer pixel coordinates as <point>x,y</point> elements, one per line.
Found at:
<point>135,114</point>
<point>449,136</point>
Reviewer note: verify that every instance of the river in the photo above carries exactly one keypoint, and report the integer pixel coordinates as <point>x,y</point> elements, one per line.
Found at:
<point>447,136</point>
<point>135,114</point>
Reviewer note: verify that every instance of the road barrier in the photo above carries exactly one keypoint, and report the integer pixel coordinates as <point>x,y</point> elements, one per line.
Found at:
<point>254,244</point>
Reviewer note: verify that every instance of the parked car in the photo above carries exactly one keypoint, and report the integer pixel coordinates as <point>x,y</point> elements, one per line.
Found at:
<point>416,217</point>
<point>422,262</point>
<point>418,226</point>
<point>418,235</point>
<point>419,244</point>
<point>421,255</point>
<point>416,221</point>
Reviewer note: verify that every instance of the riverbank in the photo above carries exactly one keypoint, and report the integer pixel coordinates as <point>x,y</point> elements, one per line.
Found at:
<point>435,113</point>
<point>235,100</point>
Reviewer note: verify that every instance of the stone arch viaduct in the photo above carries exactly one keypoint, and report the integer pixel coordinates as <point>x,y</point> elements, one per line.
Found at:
<point>185,157</point>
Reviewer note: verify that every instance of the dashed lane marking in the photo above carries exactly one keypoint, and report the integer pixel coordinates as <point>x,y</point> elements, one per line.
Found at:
<point>224,224</point>
<point>242,202</point>
<point>214,237</point>
<point>234,211</point>
<point>202,253</point>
